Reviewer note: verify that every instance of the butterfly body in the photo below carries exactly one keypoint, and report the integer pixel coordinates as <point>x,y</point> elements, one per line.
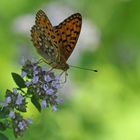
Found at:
<point>56,43</point>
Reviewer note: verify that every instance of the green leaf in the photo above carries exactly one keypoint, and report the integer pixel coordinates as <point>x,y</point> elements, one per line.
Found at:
<point>18,80</point>
<point>2,126</point>
<point>3,137</point>
<point>36,103</point>
<point>3,112</point>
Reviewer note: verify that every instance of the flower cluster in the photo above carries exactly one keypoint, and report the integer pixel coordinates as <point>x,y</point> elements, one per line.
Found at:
<point>19,124</point>
<point>40,85</point>
<point>14,102</point>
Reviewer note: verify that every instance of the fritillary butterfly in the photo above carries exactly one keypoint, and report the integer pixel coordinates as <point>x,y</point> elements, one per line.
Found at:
<point>56,43</point>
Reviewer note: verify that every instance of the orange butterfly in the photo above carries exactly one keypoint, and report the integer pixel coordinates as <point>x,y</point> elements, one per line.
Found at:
<point>56,43</point>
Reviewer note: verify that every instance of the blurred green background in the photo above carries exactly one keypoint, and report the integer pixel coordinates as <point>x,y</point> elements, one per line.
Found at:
<point>97,106</point>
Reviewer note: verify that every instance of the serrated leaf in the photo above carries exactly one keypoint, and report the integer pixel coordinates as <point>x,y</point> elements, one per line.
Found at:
<point>18,80</point>
<point>36,103</point>
<point>3,137</point>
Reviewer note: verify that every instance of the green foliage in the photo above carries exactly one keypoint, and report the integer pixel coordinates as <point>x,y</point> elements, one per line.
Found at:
<point>36,103</point>
<point>3,137</point>
<point>18,80</point>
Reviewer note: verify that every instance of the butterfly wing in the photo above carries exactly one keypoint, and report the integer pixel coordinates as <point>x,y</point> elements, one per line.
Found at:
<point>44,38</point>
<point>67,33</point>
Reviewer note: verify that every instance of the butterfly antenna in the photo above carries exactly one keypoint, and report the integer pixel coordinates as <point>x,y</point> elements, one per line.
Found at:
<point>83,68</point>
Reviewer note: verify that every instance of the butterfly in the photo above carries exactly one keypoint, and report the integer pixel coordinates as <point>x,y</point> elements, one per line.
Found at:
<point>56,43</point>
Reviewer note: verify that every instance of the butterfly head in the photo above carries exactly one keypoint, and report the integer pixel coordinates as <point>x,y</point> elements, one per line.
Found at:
<point>63,66</point>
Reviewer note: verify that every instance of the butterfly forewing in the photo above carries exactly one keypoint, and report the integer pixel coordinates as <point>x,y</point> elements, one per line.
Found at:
<point>68,32</point>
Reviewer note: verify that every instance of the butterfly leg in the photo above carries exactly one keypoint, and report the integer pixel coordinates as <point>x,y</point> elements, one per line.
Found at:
<point>66,74</point>
<point>50,70</point>
<point>40,61</point>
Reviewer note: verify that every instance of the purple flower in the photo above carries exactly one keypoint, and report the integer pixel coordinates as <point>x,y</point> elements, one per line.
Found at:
<point>15,90</point>
<point>3,104</point>
<point>29,120</point>
<point>49,91</point>
<point>12,114</point>
<point>47,78</point>
<point>23,74</point>
<point>28,83</point>
<point>59,100</point>
<point>35,70</point>
<point>54,109</point>
<point>58,77</point>
<point>45,87</point>
<point>56,84</point>
<point>22,125</point>
<point>8,99</point>
<point>35,79</point>
<point>19,100</point>
<point>43,104</point>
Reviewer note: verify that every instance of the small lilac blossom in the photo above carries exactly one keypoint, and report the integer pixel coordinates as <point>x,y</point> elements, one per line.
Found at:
<point>19,100</point>
<point>35,71</point>
<point>43,104</point>
<point>8,99</point>
<point>47,78</point>
<point>59,100</point>
<point>35,79</point>
<point>54,109</point>
<point>49,91</point>
<point>12,114</point>
<point>3,104</point>
<point>45,87</point>
<point>28,83</point>
<point>29,120</point>
<point>15,90</point>
<point>22,125</point>
<point>58,77</point>
<point>23,73</point>
<point>56,84</point>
